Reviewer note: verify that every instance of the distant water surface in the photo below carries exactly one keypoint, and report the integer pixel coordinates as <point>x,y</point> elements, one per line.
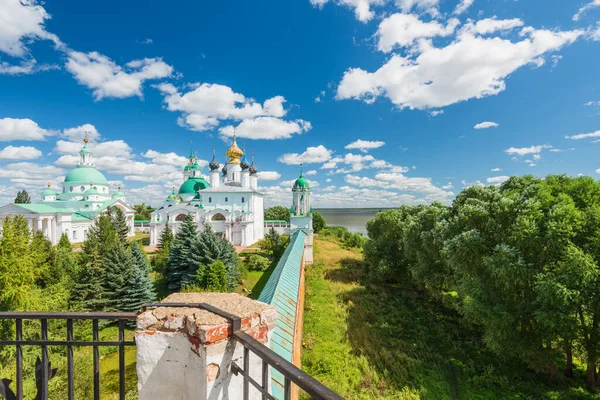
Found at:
<point>355,219</point>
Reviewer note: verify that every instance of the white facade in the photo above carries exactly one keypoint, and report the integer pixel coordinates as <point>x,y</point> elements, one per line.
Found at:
<point>231,204</point>
<point>301,215</point>
<point>85,195</point>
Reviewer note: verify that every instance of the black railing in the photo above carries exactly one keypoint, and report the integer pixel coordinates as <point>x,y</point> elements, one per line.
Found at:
<point>44,372</point>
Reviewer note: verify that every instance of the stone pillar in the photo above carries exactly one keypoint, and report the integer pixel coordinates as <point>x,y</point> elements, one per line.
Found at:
<point>53,238</point>
<point>39,224</point>
<point>186,353</point>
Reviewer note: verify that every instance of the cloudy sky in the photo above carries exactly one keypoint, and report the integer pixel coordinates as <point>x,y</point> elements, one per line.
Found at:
<point>385,102</point>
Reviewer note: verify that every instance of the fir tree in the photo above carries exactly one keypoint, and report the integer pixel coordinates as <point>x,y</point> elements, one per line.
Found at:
<point>166,239</point>
<point>22,197</point>
<point>183,259</point>
<point>215,277</point>
<point>119,221</point>
<point>45,260</point>
<point>139,288</point>
<point>64,243</point>
<point>118,269</point>
<point>17,272</point>
<point>88,291</point>
<point>211,248</point>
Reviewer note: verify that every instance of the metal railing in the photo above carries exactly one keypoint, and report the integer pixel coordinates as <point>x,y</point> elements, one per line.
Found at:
<point>291,373</point>
<point>44,371</point>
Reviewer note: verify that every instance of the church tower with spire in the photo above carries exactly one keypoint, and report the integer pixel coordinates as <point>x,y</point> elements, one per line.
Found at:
<point>301,214</point>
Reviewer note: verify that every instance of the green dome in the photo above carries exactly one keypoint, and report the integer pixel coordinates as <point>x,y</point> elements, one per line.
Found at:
<point>187,167</point>
<point>192,185</point>
<point>196,166</point>
<point>85,149</point>
<point>173,198</point>
<point>48,192</point>
<point>301,183</point>
<point>85,175</point>
<point>91,191</point>
<point>118,194</point>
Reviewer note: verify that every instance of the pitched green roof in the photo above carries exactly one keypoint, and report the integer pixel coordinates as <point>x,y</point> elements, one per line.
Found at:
<point>43,208</point>
<point>81,217</point>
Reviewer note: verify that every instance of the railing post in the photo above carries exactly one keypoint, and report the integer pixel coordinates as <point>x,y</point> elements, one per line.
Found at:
<point>188,352</point>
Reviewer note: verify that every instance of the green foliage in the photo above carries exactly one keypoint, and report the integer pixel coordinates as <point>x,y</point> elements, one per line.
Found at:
<point>22,197</point>
<point>118,270</point>
<point>214,277</point>
<point>17,264</point>
<point>142,211</point>
<point>44,260</point>
<point>161,257</point>
<point>318,222</point>
<point>139,288</point>
<point>184,258</point>
<point>522,261</point>
<point>338,232</point>
<point>64,243</point>
<point>210,248</point>
<point>277,213</point>
<point>355,240</point>
<point>255,262</point>
<point>119,221</point>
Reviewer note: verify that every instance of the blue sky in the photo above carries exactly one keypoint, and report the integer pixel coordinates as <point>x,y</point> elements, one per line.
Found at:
<point>380,99</point>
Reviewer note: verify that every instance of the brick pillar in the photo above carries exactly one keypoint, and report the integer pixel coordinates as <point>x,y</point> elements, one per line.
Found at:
<point>186,353</point>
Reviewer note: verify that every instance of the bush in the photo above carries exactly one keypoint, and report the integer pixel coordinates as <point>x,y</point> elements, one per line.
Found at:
<point>318,222</point>
<point>338,232</point>
<point>355,240</point>
<point>255,262</point>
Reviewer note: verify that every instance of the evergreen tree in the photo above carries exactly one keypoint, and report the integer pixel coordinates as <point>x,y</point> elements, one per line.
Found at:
<point>17,272</point>
<point>66,261</point>
<point>64,243</point>
<point>119,221</point>
<point>215,277</point>
<point>88,290</point>
<point>184,258</point>
<point>166,239</point>
<point>118,269</point>
<point>45,260</point>
<point>211,248</point>
<point>22,197</point>
<point>139,288</point>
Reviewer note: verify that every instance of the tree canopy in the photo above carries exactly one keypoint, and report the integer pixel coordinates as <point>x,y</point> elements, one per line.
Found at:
<point>277,213</point>
<point>22,197</point>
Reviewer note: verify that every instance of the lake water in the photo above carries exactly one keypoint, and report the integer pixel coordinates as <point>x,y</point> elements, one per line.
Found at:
<point>355,219</point>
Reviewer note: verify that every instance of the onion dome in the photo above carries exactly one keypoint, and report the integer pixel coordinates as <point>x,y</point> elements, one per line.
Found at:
<point>49,192</point>
<point>214,164</point>
<point>224,170</point>
<point>252,167</point>
<point>234,152</point>
<point>196,166</point>
<point>244,163</point>
<point>301,183</point>
<point>186,168</point>
<point>118,194</point>
<point>193,184</point>
<point>173,197</point>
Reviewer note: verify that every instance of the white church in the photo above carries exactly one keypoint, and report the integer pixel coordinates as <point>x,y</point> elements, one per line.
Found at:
<point>230,202</point>
<point>85,194</point>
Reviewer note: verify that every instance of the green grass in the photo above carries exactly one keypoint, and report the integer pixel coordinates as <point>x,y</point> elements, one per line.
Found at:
<point>381,341</point>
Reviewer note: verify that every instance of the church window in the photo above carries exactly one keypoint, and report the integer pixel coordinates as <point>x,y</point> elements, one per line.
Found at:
<point>210,199</point>
<point>180,217</point>
<point>82,188</point>
<point>74,235</point>
<point>218,217</point>
<point>71,188</point>
<point>242,199</point>
<point>225,199</point>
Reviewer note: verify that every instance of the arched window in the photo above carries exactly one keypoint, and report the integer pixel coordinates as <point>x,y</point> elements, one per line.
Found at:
<point>225,199</point>
<point>218,217</point>
<point>242,199</point>
<point>82,188</point>
<point>210,199</point>
<point>180,217</point>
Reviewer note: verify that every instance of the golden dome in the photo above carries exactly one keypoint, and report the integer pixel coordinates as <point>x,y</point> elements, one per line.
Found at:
<point>234,152</point>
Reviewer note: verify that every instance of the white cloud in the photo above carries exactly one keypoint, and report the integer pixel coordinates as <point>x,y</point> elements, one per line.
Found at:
<point>113,148</point>
<point>584,136</point>
<point>362,8</point>
<point>486,124</point>
<point>404,29</point>
<point>107,79</point>
<point>19,153</point>
<point>21,129</point>
<point>24,67</point>
<point>23,170</point>
<point>168,158</point>
<point>447,186</point>
<point>435,113</point>
<point>290,183</point>
<point>463,6</point>
<point>365,145</point>
<point>77,133</point>
<point>398,181</point>
<point>592,104</point>
<point>584,8</point>
<point>490,25</point>
<point>496,169</point>
<point>434,77</point>
<point>497,179</point>
<point>267,128</point>
<point>310,173</point>
<point>537,157</point>
<point>426,5</point>
<point>312,155</point>
<point>521,151</point>
<point>20,23</point>
<point>268,175</point>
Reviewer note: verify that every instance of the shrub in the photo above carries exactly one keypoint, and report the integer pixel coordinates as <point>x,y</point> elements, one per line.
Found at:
<point>255,262</point>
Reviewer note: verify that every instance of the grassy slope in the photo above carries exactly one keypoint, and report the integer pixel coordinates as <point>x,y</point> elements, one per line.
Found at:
<point>384,342</point>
